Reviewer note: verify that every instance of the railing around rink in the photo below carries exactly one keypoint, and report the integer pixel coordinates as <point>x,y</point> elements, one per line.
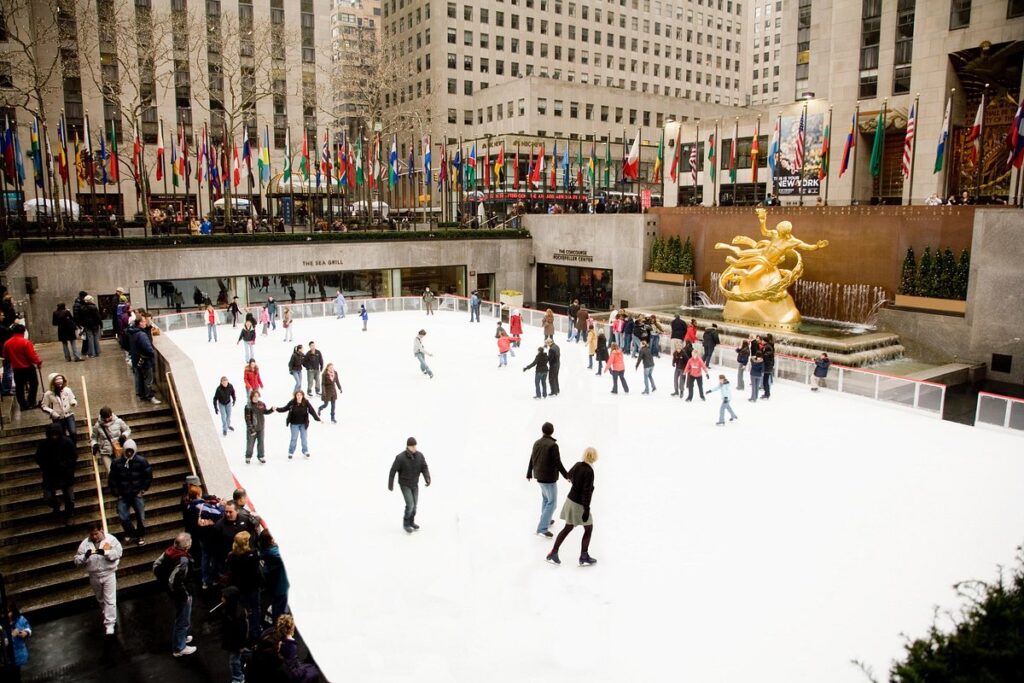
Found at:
<point>921,396</point>
<point>1003,413</point>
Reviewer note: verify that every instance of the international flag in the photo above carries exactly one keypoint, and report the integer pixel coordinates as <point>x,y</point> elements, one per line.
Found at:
<point>247,153</point>
<point>499,165</point>
<point>393,162</point>
<point>774,149</point>
<point>160,151</point>
<point>565,167</point>
<point>754,152</point>
<point>1015,139</point>
<point>798,155</point>
<point>442,170</point>
<point>304,161</point>
<point>343,177</point>
<point>592,162</point>
<point>428,158</point>
<point>851,145</point>
<point>974,136</point>
<point>410,170</point>
<point>213,170</point>
<point>659,159</point>
<point>62,150</point>
<point>554,167</point>
<point>631,165</point>
<point>908,140</point>
<point>875,165</point>
<point>693,163</point>
<point>263,164</point>
<point>515,170</point>
<point>286,173</point>
<point>360,179</point>
<point>940,149</point>
<point>375,165</point>
<point>579,167</point>
<point>486,163</point>
<point>78,160</point>
<point>236,165</point>
<point>825,153</point>
<point>537,172</point>
<point>732,160</point>
<point>36,151</point>
<point>457,166</point>
<point>325,156</point>
<point>471,168</point>
<point>677,153</point>
<point>183,156</point>
<point>711,156</point>
<point>350,172</point>
<point>8,149</point>
<point>174,162</point>
<point>85,154</point>
<point>137,156</point>
<point>201,153</point>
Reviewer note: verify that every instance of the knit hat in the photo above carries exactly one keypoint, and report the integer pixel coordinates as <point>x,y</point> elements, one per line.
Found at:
<point>88,299</point>
<point>129,445</point>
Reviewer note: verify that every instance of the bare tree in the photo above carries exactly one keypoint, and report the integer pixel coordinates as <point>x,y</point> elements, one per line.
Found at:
<point>236,63</point>
<point>126,52</point>
<point>31,67</point>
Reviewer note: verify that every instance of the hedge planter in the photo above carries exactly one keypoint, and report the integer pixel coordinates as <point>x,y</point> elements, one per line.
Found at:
<point>667,278</point>
<point>927,303</point>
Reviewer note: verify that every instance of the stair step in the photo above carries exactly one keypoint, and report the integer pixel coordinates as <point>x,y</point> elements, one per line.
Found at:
<point>145,434</point>
<point>77,591</point>
<point>26,507</point>
<point>139,419</point>
<point>154,452</point>
<point>66,539</point>
<point>61,569</point>
<point>35,429</point>
<point>21,479</point>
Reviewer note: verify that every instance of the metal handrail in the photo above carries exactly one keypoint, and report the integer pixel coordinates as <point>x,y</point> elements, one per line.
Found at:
<point>181,426</point>
<point>95,459</point>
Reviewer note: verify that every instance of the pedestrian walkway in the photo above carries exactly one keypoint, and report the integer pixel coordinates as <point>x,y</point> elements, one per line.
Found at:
<point>109,378</point>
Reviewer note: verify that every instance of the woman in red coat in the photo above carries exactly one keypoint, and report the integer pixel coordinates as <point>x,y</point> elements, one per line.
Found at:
<point>691,332</point>
<point>252,379</point>
<point>515,328</point>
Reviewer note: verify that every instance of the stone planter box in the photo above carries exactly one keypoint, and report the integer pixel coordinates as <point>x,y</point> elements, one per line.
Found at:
<point>927,303</point>
<point>667,278</point>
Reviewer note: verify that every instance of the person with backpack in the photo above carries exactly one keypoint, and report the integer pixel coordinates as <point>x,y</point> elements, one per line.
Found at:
<point>173,571</point>
<point>201,515</point>
<point>821,366</point>
<point>100,555</point>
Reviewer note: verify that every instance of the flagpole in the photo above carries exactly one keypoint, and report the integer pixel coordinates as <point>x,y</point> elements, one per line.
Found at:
<point>734,162</point>
<point>981,148</point>
<point>881,166</point>
<point>66,180</point>
<point>143,179</point>
<point>714,171</point>
<point>696,165</point>
<point>802,133</point>
<point>48,175</point>
<point>913,147</point>
<point>754,161</point>
<point>827,161</point>
<point>248,170</point>
<point>163,165</point>
<point>291,180</point>
<point>175,139</point>
<point>90,171</point>
<point>947,153</point>
<point>856,147</point>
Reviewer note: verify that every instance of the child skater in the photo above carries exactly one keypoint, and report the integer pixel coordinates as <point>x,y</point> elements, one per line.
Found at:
<point>726,390</point>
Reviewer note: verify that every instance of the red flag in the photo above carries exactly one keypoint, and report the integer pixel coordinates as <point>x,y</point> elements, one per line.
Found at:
<point>753,153</point>
<point>515,172</point>
<point>236,171</point>
<point>487,167</point>
<point>160,152</point>
<point>538,166</point>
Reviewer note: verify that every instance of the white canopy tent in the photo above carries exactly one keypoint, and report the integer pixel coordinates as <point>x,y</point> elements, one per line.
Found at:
<point>379,207</point>
<point>48,207</point>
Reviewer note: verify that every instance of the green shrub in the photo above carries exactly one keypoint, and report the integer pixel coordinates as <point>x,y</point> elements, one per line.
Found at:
<point>908,279</point>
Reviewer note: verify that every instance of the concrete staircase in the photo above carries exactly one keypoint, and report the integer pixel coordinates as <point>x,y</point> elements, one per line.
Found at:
<point>36,550</point>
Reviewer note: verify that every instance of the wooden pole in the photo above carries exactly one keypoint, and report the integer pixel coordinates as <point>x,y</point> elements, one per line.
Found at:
<point>181,426</point>
<point>95,460</point>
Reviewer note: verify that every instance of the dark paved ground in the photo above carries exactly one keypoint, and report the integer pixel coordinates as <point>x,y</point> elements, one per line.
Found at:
<point>71,646</point>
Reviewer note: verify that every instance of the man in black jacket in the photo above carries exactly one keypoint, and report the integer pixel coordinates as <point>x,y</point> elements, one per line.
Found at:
<point>554,365</point>
<point>225,530</point>
<point>57,456</point>
<point>408,465</point>
<point>130,477</point>
<point>710,341</point>
<point>545,465</point>
<point>174,570</point>
<point>678,328</point>
<point>314,364</point>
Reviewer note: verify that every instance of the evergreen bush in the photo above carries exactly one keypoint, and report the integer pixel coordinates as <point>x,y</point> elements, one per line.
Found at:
<point>924,274</point>
<point>908,279</point>
<point>687,261</point>
<point>657,259</point>
<point>963,275</point>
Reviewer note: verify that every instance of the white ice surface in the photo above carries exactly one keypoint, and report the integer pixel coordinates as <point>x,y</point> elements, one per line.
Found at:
<point>813,531</point>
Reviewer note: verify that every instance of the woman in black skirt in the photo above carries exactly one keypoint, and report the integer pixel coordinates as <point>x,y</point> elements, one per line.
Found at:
<point>576,510</point>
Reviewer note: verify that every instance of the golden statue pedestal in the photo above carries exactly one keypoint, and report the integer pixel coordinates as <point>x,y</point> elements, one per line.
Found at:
<point>754,283</point>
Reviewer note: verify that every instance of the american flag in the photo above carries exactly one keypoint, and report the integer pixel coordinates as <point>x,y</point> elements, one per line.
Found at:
<point>693,162</point>
<point>908,141</point>
<point>798,161</point>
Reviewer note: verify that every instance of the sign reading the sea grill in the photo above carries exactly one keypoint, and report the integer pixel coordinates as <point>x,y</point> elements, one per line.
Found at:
<point>573,255</point>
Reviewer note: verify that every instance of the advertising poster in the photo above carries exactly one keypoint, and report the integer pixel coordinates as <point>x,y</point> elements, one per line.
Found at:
<point>787,178</point>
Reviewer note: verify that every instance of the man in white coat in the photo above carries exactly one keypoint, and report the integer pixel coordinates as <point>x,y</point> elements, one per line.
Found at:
<point>339,305</point>
<point>100,553</point>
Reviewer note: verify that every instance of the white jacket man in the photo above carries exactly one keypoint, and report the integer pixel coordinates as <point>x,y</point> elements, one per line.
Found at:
<point>100,554</point>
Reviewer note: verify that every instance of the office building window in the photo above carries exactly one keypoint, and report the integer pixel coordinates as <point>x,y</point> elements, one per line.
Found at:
<point>1014,8</point>
<point>959,14</point>
<point>904,46</point>
<point>870,31</point>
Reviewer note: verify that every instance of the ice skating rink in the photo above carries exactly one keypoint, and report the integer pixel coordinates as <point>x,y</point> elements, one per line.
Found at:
<point>812,532</point>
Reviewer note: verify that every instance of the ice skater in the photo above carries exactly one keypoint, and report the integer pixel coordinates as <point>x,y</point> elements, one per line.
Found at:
<point>821,366</point>
<point>248,337</point>
<point>295,366</point>
<point>725,389</point>
<point>299,411</point>
<point>647,358</point>
<point>251,378</point>
<point>515,328</point>
<point>211,324</point>
<point>223,402</point>
<point>331,389</point>
<point>601,352</point>
<point>540,374</point>
<point>474,307</point>
<point>742,358</point>
<point>554,365</point>
<point>254,411</point>
<point>364,315</point>
<point>576,509</point>
<point>756,375</point>
<point>617,366</point>
<point>591,347</point>
<point>409,465</point>
<point>264,320</point>
<point>694,369</point>
<point>428,301</point>
<point>288,324</point>
<point>504,346</point>
<point>235,311</point>
<point>339,306</point>
<point>546,464</point>
<point>314,364</point>
<point>420,352</point>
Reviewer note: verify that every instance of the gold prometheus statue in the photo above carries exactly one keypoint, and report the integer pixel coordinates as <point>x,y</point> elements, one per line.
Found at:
<point>754,283</point>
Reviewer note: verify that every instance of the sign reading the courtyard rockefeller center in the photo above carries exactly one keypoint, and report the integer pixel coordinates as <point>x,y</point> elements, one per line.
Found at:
<point>573,255</point>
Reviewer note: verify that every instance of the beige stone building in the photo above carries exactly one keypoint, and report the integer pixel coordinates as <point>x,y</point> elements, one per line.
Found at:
<point>763,56</point>
<point>355,37</point>
<point>264,60</point>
